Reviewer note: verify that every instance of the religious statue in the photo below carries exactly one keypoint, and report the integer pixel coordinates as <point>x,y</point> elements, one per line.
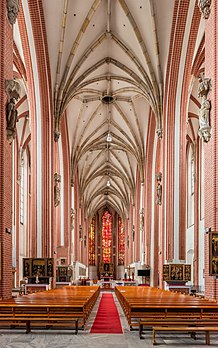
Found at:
<point>12,89</point>
<point>12,10</point>
<point>159,189</point>
<point>204,111</point>
<point>57,129</point>
<point>159,132</point>
<point>72,216</point>
<point>57,195</point>
<point>142,219</point>
<point>11,114</point>
<point>80,233</point>
<point>133,233</point>
<point>204,6</point>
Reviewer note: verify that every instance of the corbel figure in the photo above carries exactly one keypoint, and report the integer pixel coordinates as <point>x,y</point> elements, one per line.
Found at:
<point>204,6</point>
<point>204,112</point>
<point>159,132</point>
<point>57,195</point>
<point>12,89</point>
<point>142,219</point>
<point>12,10</point>
<point>57,129</point>
<point>72,216</point>
<point>128,242</point>
<point>80,233</point>
<point>133,233</point>
<point>158,188</point>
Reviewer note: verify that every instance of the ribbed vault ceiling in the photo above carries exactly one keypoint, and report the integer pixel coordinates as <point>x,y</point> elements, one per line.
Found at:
<point>116,49</point>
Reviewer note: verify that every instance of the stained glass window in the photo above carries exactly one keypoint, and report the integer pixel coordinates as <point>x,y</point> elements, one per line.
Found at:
<point>92,243</point>
<point>107,238</point>
<point>22,190</point>
<point>121,242</point>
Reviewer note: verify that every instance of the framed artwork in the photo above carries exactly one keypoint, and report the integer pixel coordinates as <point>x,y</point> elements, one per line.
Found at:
<point>50,267</point>
<point>187,273</point>
<point>41,267</point>
<point>176,273</point>
<point>166,272</point>
<point>27,267</point>
<point>38,267</point>
<point>62,271</point>
<point>213,253</point>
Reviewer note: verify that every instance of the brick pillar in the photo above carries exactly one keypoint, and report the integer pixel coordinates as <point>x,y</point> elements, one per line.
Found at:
<point>6,72</point>
<point>211,148</point>
<point>148,187</point>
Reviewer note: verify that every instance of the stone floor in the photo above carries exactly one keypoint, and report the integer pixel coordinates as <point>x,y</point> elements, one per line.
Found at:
<point>129,339</point>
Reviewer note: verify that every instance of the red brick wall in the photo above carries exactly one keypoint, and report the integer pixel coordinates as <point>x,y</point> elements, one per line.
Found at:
<point>183,131</point>
<point>6,64</point>
<point>148,186</point>
<point>40,42</point>
<point>31,96</point>
<point>211,149</point>
<point>175,50</point>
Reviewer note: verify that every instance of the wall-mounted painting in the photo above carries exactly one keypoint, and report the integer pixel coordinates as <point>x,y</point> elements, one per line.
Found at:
<point>213,253</point>
<point>41,267</point>
<point>27,267</point>
<point>177,273</point>
<point>166,272</point>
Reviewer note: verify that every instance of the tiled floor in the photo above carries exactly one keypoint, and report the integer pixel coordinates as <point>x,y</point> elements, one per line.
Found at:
<point>129,339</point>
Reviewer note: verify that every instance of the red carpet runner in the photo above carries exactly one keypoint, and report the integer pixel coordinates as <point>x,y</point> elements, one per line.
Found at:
<point>107,319</point>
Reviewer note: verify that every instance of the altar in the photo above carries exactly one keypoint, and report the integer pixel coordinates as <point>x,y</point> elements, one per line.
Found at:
<point>106,284</point>
<point>31,288</point>
<point>110,284</point>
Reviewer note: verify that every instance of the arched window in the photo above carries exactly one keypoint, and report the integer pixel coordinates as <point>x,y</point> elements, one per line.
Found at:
<point>22,189</point>
<point>92,243</point>
<point>190,186</point>
<point>107,238</point>
<point>121,242</point>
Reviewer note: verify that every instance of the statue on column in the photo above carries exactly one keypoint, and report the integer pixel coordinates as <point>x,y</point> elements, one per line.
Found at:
<point>133,233</point>
<point>128,242</point>
<point>12,10</point>
<point>159,189</point>
<point>57,195</point>
<point>57,129</point>
<point>142,219</point>
<point>72,216</point>
<point>204,6</point>
<point>204,111</point>
<point>12,89</point>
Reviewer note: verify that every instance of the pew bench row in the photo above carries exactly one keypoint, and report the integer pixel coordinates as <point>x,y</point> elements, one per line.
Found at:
<point>156,309</point>
<point>42,322</point>
<point>206,330</point>
<point>66,307</point>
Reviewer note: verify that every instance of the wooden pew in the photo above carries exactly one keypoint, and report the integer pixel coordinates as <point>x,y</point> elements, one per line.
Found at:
<point>151,307</point>
<point>206,330</point>
<point>61,307</point>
